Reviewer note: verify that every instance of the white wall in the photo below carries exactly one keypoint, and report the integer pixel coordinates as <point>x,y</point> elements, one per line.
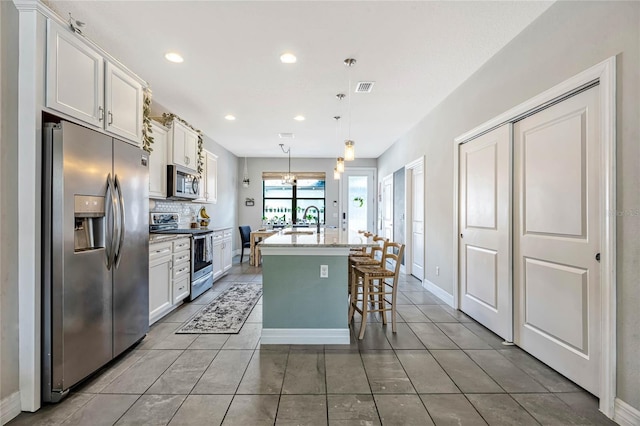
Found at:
<point>253,215</point>
<point>567,39</point>
<point>9,380</point>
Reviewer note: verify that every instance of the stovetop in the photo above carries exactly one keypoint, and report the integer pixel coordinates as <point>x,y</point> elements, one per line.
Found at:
<point>191,231</point>
<point>167,223</point>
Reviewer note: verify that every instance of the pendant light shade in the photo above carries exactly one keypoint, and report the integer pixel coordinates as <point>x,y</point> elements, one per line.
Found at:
<point>340,165</point>
<point>245,179</point>
<point>288,178</point>
<point>349,150</point>
<point>336,174</point>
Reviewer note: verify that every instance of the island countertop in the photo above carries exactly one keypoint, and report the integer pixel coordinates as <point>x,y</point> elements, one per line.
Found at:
<point>310,238</point>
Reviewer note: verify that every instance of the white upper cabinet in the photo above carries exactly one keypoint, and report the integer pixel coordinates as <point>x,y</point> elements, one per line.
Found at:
<point>208,191</point>
<point>75,76</point>
<point>123,103</point>
<point>184,146</point>
<point>83,84</point>
<point>211,178</point>
<point>158,162</point>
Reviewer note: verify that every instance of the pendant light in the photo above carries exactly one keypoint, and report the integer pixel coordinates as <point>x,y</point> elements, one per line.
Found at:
<point>339,164</point>
<point>245,179</point>
<point>349,144</point>
<point>288,178</point>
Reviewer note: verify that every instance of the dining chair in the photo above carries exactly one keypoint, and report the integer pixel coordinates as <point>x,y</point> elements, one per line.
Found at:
<point>245,237</point>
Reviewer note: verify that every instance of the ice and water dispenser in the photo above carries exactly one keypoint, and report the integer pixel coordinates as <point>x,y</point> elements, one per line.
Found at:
<point>89,232</point>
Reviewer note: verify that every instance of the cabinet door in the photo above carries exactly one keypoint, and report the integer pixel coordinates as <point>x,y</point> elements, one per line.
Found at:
<point>202,185</point>
<point>158,162</point>
<point>211,166</point>
<point>227,255</point>
<point>181,289</point>
<point>191,149</point>
<point>159,288</point>
<point>217,257</point>
<point>123,103</point>
<point>75,76</point>
<point>178,135</point>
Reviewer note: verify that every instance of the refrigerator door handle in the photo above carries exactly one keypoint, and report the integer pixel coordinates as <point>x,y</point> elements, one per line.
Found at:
<point>121,223</point>
<point>110,218</point>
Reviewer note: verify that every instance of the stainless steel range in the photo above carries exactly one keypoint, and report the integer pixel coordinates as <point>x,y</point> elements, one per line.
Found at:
<point>201,249</point>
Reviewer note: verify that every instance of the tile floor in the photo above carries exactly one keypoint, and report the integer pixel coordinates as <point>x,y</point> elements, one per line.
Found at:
<point>440,368</point>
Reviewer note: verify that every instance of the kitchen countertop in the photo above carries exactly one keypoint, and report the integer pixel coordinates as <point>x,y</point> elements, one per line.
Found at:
<point>326,238</point>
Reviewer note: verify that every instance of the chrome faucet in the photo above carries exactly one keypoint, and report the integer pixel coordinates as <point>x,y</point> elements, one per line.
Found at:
<point>304,215</point>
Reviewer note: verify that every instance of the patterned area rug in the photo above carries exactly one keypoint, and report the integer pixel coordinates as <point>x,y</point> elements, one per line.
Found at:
<point>227,313</point>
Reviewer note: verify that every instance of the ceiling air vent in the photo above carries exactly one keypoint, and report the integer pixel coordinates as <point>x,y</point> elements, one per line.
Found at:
<point>286,135</point>
<point>364,86</point>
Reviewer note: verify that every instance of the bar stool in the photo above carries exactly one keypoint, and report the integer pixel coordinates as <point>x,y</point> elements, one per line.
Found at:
<point>371,258</point>
<point>379,287</point>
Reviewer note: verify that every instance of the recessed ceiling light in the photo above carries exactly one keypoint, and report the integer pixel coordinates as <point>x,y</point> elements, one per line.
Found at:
<point>174,57</point>
<point>288,58</point>
<point>299,118</point>
<point>229,117</point>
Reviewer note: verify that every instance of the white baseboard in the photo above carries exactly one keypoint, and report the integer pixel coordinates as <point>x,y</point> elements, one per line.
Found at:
<point>626,415</point>
<point>442,295</point>
<point>10,407</point>
<point>305,336</point>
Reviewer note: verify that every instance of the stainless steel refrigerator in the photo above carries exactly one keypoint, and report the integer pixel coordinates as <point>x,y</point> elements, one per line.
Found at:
<point>95,253</point>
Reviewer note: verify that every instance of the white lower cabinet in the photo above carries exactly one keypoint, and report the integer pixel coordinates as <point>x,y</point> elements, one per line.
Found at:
<point>222,252</point>
<point>169,276</point>
<point>160,300</point>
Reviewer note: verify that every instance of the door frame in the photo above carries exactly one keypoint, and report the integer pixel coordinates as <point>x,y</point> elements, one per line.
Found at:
<point>604,74</point>
<point>372,191</point>
<point>408,217</point>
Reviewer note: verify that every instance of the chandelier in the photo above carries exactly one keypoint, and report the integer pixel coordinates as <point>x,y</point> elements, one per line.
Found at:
<point>288,178</point>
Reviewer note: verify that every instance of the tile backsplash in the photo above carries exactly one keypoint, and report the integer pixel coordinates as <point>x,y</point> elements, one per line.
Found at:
<point>187,211</point>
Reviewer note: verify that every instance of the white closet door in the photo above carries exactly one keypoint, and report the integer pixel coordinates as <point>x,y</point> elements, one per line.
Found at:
<point>485,258</point>
<point>387,207</point>
<point>417,222</point>
<point>557,237</point>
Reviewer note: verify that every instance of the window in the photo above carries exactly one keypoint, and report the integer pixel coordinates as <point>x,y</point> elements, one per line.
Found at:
<point>285,204</point>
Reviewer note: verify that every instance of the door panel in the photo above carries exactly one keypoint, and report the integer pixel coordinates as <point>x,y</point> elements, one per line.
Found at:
<point>417,221</point>
<point>131,276</point>
<point>556,237</point>
<point>485,231</point>
<point>387,207</point>
<point>357,183</point>
<point>83,286</point>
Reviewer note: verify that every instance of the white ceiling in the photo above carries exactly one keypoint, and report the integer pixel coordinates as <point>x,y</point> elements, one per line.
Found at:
<point>417,53</point>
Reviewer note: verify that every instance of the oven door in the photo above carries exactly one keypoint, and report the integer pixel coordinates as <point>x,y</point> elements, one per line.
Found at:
<point>201,255</point>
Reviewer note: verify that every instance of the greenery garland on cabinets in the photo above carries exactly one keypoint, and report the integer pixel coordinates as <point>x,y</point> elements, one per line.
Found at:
<point>147,139</point>
<point>166,120</point>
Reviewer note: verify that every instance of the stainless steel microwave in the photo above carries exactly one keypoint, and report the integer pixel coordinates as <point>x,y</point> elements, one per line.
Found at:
<point>182,184</point>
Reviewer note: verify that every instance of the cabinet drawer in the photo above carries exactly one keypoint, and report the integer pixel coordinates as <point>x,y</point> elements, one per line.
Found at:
<point>159,250</point>
<point>182,257</point>
<point>227,233</point>
<point>182,270</point>
<point>181,244</point>
<point>180,289</point>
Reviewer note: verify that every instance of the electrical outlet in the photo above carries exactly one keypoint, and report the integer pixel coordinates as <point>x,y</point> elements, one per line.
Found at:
<point>324,271</point>
<point>437,271</point>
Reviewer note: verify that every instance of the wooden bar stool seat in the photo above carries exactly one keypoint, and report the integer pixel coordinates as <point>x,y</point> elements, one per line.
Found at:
<point>377,286</point>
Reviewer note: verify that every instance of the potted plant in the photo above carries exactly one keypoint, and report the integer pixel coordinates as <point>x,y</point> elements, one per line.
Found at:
<point>358,201</point>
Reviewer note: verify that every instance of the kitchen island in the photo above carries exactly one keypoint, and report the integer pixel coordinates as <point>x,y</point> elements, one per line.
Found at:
<point>305,286</point>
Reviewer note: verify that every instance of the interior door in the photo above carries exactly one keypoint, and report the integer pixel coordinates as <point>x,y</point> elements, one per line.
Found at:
<point>484,241</point>
<point>557,237</point>
<point>387,207</point>
<point>357,200</point>
<point>416,206</point>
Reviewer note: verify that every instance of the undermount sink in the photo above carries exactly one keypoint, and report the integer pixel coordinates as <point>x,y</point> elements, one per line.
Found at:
<point>296,232</point>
